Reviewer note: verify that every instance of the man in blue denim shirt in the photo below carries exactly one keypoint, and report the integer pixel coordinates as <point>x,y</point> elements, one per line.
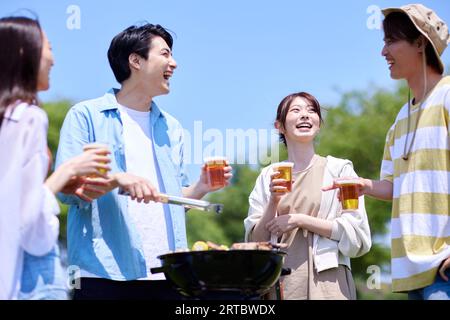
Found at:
<point>115,239</point>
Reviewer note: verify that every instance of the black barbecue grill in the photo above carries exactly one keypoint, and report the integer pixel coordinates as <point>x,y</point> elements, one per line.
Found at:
<point>220,274</point>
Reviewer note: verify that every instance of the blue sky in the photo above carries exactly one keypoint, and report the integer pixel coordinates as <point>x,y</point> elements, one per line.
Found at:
<point>236,59</point>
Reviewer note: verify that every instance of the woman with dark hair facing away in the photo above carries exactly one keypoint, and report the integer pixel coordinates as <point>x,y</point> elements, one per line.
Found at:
<point>28,222</point>
<point>320,235</point>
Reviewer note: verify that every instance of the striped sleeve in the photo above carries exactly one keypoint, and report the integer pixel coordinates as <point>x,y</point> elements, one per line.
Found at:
<point>387,165</point>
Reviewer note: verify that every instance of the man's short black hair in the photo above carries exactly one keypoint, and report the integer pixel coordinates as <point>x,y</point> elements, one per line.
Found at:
<point>134,39</point>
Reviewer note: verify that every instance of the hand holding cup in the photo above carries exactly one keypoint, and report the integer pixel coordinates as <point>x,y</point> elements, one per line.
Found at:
<point>215,169</point>
<point>348,192</point>
<point>281,179</point>
<point>101,150</point>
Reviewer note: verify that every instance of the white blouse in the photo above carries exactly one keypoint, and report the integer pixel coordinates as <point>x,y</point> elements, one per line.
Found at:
<point>28,208</point>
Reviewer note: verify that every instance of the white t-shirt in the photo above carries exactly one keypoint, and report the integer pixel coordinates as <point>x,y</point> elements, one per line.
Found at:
<point>149,218</point>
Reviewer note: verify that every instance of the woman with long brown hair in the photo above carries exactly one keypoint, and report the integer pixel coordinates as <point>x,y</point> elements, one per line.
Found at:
<point>28,222</point>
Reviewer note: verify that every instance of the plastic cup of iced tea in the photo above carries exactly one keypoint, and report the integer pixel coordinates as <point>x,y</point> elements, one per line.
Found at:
<point>215,170</point>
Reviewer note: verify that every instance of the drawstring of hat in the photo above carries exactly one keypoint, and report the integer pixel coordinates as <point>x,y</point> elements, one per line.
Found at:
<point>405,151</point>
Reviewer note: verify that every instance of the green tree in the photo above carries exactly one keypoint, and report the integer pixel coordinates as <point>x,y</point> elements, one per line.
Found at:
<point>56,112</point>
<point>356,130</point>
<point>227,227</point>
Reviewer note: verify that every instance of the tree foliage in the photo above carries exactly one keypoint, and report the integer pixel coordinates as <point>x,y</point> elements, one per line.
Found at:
<point>229,224</point>
<point>56,112</point>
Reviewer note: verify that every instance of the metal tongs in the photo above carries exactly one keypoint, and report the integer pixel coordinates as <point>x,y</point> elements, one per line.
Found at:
<point>192,203</point>
<point>186,202</point>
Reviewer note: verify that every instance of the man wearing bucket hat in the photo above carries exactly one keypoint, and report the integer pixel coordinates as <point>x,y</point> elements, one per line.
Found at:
<point>415,171</point>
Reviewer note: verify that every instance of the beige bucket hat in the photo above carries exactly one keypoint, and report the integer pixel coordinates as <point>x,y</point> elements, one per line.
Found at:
<point>429,24</point>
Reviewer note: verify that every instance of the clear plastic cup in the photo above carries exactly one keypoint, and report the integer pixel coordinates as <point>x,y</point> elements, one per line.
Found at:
<point>215,169</point>
<point>349,194</point>
<point>285,172</point>
<point>97,145</point>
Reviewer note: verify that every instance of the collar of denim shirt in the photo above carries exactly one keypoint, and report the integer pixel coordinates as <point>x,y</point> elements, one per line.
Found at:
<point>111,103</point>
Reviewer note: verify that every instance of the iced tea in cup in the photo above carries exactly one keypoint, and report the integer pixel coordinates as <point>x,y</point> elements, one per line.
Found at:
<point>349,195</point>
<point>91,146</point>
<point>215,170</point>
<point>285,172</point>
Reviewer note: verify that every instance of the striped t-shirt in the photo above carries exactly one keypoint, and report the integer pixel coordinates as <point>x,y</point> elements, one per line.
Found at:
<point>420,225</point>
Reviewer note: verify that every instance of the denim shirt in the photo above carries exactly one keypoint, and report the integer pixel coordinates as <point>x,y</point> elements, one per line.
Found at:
<point>102,238</point>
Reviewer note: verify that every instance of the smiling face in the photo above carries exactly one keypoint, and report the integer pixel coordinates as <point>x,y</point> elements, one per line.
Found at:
<point>405,47</point>
<point>302,122</point>
<point>402,57</point>
<point>154,72</point>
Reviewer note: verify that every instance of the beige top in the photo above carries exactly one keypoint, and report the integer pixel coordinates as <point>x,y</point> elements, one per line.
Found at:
<point>304,282</point>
